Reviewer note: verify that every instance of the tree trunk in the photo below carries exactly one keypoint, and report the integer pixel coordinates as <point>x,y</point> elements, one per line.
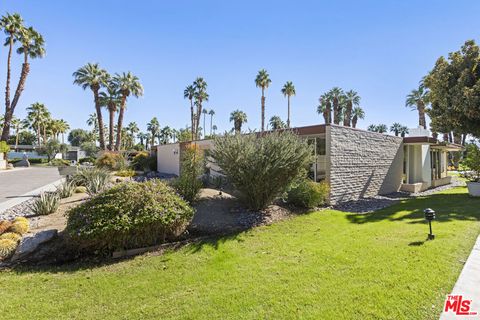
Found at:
<point>348,114</point>
<point>421,116</point>
<point>464,137</point>
<point>120,122</point>
<point>7,84</point>
<point>354,121</point>
<point>111,124</point>
<point>44,134</point>
<point>211,124</point>
<point>263,109</point>
<point>288,112</point>
<point>192,119</point>
<point>197,117</point>
<point>101,135</point>
<point>63,136</point>
<point>335,111</point>
<point>39,134</point>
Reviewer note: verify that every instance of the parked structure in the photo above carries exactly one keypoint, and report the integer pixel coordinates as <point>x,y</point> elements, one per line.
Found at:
<point>356,163</point>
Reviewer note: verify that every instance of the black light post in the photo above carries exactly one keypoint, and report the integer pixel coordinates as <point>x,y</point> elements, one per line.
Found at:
<point>430,216</point>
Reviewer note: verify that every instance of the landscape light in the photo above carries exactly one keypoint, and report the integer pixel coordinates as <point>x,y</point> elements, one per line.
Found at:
<point>430,216</point>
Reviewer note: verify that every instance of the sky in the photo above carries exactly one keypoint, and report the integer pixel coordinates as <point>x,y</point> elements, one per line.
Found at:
<point>381,49</point>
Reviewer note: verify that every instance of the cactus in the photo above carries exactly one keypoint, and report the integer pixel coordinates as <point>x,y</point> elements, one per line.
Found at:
<point>4,225</point>
<point>21,227</point>
<point>11,236</point>
<point>7,248</point>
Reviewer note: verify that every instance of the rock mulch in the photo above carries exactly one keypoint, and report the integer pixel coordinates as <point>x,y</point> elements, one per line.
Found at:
<point>20,210</point>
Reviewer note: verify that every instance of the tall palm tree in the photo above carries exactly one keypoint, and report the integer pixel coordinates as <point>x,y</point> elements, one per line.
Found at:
<point>214,129</point>
<point>142,136</point>
<point>211,113</point>
<point>372,128</point>
<point>201,95</point>
<point>132,129</point>
<point>17,124</point>
<point>239,118</point>
<point>336,95</point>
<point>352,99</point>
<point>93,77</point>
<point>395,128</point>
<point>189,93</point>
<point>263,81</point>
<point>63,127</point>
<point>110,100</point>
<point>382,128</point>
<point>37,117</point>
<point>154,128</point>
<point>403,131</point>
<point>127,84</point>
<point>148,137</point>
<point>288,90</point>
<point>357,113</point>
<point>166,134</point>
<point>205,112</point>
<point>325,107</point>
<point>418,100</point>
<point>276,123</point>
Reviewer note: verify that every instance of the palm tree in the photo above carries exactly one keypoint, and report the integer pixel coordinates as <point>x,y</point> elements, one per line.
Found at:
<point>154,128</point>
<point>93,77</point>
<point>382,128</point>
<point>205,112</point>
<point>110,100</point>
<point>288,90</point>
<point>403,131</point>
<point>239,118</point>
<point>357,113</point>
<point>276,123</point>
<point>127,84</point>
<point>189,93</point>
<point>201,95</point>
<point>148,137</point>
<point>165,135</point>
<point>211,113</point>
<point>132,129</point>
<point>372,128</point>
<point>336,95</point>
<point>263,81</point>
<point>142,136</point>
<point>418,99</point>
<point>214,129</point>
<point>37,117</point>
<point>395,128</point>
<point>352,99</point>
<point>62,127</point>
<point>17,125</point>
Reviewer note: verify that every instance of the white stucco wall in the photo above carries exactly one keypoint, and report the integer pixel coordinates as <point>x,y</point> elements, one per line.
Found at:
<point>168,158</point>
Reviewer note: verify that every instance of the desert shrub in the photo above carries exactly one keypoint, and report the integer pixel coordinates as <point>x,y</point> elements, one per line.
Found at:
<point>59,163</point>
<point>7,248</point>
<point>80,189</point>
<point>4,226</point>
<point>125,173</point>
<point>87,159</point>
<point>188,184</point>
<point>66,189</point>
<point>20,225</point>
<point>11,236</point>
<point>84,175</point>
<point>307,193</point>
<point>129,215</point>
<point>111,161</point>
<point>144,161</point>
<point>261,166</point>
<point>4,147</point>
<point>47,203</point>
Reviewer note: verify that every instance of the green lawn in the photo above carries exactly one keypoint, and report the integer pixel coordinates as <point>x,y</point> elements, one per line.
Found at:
<point>328,265</point>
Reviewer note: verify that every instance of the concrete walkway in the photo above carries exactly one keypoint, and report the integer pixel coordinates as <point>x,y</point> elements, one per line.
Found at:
<point>468,284</point>
<point>17,186</point>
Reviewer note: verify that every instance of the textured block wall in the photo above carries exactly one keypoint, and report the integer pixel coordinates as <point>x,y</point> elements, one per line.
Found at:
<point>362,164</point>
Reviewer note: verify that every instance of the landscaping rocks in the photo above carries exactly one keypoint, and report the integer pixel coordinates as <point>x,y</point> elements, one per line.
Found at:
<point>20,210</point>
<point>28,245</point>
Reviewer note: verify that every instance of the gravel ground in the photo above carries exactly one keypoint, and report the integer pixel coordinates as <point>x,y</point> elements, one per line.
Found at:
<point>20,210</point>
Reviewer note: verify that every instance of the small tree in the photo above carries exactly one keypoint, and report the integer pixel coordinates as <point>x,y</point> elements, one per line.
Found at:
<point>51,148</point>
<point>188,184</point>
<point>472,161</point>
<point>262,166</point>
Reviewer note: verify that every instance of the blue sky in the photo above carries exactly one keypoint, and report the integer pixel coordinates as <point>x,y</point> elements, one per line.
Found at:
<point>381,49</point>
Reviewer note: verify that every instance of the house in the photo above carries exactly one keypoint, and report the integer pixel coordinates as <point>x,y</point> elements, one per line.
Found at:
<point>356,163</point>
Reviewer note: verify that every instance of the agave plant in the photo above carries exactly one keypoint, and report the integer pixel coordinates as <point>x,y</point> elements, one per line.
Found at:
<point>85,175</point>
<point>66,189</point>
<point>47,203</point>
<point>96,184</point>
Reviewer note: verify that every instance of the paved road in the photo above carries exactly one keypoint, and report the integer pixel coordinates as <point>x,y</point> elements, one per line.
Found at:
<point>14,184</point>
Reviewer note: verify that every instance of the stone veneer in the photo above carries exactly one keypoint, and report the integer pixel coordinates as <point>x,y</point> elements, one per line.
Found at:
<point>361,163</point>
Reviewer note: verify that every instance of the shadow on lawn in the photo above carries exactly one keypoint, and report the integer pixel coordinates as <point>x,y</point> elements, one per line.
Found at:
<point>448,207</point>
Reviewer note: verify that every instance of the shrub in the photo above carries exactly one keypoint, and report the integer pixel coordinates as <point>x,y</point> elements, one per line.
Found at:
<point>37,160</point>
<point>20,225</point>
<point>472,161</point>
<point>144,161</point>
<point>66,189</point>
<point>47,203</point>
<point>7,248</point>
<point>84,175</point>
<point>59,163</point>
<point>111,161</point>
<point>308,194</point>
<point>96,185</point>
<point>80,189</point>
<point>4,147</point>
<point>261,166</point>
<point>125,173</point>
<point>11,236</point>
<point>4,226</point>
<point>188,184</point>
<point>87,159</point>
<point>129,215</point>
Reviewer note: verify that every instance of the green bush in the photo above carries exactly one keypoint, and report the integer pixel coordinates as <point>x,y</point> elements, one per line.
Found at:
<point>4,147</point>
<point>47,203</point>
<point>261,167</point>
<point>59,163</point>
<point>125,173</point>
<point>129,215</point>
<point>111,161</point>
<point>308,194</point>
<point>188,184</point>
<point>37,160</point>
<point>472,161</point>
<point>143,161</point>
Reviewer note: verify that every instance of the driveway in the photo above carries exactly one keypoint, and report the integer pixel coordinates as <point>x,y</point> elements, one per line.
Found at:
<point>16,183</point>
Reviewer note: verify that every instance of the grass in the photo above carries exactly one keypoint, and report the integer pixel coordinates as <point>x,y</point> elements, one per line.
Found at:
<point>328,265</point>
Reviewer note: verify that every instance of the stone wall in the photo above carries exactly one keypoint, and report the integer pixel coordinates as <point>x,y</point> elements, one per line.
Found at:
<point>362,164</point>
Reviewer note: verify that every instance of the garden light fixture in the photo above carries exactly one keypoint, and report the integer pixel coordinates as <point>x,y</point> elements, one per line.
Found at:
<point>429,216</point>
